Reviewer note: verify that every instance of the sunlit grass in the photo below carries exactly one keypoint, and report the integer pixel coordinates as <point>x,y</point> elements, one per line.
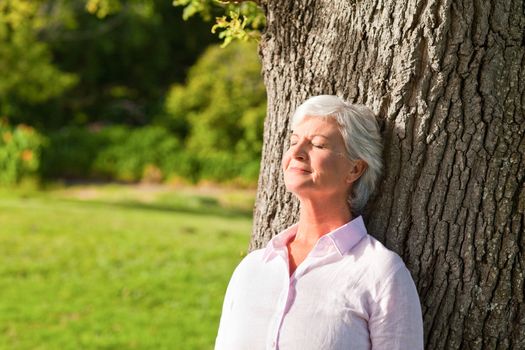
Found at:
<point>114,268</point>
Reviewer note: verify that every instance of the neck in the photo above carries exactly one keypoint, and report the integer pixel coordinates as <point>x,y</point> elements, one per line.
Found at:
<point>319,218</point>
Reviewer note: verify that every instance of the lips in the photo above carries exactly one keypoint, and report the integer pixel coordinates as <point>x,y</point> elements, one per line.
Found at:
<point>299,170</point>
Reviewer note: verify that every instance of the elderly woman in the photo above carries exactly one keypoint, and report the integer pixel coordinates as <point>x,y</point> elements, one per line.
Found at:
<point>324,283</point>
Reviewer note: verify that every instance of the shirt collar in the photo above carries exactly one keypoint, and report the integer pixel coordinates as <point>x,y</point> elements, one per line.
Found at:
<point>343,238</point>
<point>278,243</point>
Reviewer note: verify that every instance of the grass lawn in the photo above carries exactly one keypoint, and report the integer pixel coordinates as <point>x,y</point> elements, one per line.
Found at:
<point>117,267</point>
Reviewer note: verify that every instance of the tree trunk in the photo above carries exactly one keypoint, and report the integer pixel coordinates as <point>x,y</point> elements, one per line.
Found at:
<point>447,80</point>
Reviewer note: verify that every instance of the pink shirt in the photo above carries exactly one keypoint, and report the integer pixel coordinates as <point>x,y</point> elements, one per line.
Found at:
<point>349,293</point>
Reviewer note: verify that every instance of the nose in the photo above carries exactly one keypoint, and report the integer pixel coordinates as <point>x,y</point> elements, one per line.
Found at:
<point>298,150</point>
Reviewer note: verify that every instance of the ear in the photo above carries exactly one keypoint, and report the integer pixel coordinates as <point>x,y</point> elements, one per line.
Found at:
<point>357,169</point>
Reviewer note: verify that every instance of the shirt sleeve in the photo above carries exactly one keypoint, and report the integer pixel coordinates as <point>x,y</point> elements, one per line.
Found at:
<point>396,322</point>
<point>223,335</point>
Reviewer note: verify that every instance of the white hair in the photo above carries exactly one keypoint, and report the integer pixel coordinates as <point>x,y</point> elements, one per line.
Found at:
<point>360,131</point>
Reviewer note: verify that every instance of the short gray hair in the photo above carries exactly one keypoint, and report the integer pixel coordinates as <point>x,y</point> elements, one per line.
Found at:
<point>360,131</point>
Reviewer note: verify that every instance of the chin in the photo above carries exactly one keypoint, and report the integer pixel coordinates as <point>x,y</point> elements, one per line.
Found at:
<point>299,189</point>
<point>292,187</point>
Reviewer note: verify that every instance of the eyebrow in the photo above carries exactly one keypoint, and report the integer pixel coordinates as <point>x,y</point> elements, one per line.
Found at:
<point>312,136</point>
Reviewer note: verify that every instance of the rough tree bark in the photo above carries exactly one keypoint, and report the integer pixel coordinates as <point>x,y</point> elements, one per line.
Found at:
<point>447,79</point>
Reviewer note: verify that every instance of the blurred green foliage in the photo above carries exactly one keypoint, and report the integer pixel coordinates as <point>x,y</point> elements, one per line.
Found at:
<point>117,152</point>
<point>241,20</point>
<point>138,154</point>
<point>28,75</point>
<point>148,154</point>
<point>118,67</point>
<point>222,106</point>
<point>109,84</point>
<point>20,149</point>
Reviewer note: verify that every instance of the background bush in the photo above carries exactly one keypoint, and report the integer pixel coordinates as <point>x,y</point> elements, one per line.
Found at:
<point>20,149</point>
<point>149,153</point>
<point>135,154</point>
<point>222,106</point>
<point>113,152</point>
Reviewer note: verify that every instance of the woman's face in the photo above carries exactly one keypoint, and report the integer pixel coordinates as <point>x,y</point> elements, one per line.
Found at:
<point>316,166</point>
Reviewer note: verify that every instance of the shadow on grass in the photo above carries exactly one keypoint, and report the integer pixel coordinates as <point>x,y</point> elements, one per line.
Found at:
<point>192,204</point>
<point>207,207</point>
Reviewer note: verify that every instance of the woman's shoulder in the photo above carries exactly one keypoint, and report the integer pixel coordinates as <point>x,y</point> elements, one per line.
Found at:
<point>249,268</point>
<point>378,259</point>
<point>253,258</point>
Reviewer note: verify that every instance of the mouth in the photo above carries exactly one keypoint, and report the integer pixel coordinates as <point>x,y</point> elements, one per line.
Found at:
<point>299,170</point>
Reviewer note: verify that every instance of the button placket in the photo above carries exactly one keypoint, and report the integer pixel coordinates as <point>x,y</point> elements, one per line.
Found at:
<point>280,312</point>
